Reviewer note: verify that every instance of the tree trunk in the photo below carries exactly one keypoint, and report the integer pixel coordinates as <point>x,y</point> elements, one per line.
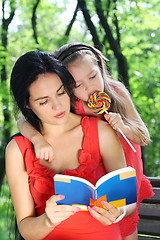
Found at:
<point>90,25</point>
<point>114,45</point>
<point>33,20</point>
<point>3,74</point>
<point>72,21</point>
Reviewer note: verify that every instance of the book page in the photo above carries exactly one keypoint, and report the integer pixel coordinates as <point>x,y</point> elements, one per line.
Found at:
<point>120,188</point>
<point>113,173</point>
<point>77,191</point>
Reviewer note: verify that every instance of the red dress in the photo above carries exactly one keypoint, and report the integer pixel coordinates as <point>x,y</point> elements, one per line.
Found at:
<point>144,188</point>
<point>80,226</point>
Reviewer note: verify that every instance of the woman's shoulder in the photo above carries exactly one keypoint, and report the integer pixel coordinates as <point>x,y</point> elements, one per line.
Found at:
<point>10,146</point>
<point>104,128</point>
<point>18,143</point>
<point>12,153</point>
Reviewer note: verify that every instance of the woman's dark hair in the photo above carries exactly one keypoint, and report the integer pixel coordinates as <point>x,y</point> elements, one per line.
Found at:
<point>26,70</point>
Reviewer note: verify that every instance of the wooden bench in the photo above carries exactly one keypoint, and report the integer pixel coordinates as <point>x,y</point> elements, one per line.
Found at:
<point>149,224</point>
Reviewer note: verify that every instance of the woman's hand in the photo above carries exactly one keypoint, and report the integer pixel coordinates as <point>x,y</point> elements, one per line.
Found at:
<point>55,214</point>
<point>107,217</point>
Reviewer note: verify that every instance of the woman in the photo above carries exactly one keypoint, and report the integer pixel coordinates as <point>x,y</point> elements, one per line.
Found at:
<point>84,147</point>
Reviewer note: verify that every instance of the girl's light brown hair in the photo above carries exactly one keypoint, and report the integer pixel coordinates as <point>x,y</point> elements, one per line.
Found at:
<point>72,52</point>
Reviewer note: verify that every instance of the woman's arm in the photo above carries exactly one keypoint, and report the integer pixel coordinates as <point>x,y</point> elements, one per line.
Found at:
<point>30,226</point>
<point>113,159</point>
<point>43,149</point>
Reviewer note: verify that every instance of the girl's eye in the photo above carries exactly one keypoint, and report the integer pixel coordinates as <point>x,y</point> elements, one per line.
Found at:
<point>93,76</point>
<point>43,103</point>
<point>77,85</point>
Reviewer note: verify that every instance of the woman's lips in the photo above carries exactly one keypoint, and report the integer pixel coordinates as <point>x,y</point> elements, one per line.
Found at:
<point>60,115</point>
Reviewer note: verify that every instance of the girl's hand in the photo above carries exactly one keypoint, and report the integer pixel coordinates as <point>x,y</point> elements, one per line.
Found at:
<point>115,121</point>
<point>55,214</point>
<point>107,217</point>
<point>43,150</point>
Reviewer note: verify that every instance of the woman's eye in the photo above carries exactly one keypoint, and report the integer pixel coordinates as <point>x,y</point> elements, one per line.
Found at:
<point>43,103</point>
<point>62,92</point>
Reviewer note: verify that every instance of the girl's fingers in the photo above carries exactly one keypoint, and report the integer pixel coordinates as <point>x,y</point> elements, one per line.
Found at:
<point>51,156</point>
<point>112,116</point>
<point>44,152</point>
<point>45,156</point>
<point>115,120</point>
<point>37,155</point>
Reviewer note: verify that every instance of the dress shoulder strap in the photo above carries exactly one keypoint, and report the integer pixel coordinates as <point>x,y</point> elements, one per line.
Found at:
<point>23,143</point>
<point>91,137</point>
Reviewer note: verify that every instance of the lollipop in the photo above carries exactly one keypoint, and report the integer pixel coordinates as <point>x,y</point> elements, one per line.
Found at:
<point>99,102</point>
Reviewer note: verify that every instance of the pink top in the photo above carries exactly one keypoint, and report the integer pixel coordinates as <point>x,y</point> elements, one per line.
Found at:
<point>144,188</point>
<point>81,226</point>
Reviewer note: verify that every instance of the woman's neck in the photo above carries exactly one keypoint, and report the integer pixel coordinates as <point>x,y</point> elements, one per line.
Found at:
<point>57,130</point>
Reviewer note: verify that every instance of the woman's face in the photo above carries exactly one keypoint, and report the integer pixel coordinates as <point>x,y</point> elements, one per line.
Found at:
<point>87,76</point>
<point>49,100</point>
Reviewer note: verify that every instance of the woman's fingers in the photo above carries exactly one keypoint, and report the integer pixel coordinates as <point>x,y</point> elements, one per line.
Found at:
<point>106,216</point>
<point>58,213</point>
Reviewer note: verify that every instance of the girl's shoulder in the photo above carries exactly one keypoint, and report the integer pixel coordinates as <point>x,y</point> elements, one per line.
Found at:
<point>119,88</point>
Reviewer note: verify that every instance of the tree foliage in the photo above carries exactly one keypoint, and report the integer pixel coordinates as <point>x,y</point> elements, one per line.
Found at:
<point>126,32</point>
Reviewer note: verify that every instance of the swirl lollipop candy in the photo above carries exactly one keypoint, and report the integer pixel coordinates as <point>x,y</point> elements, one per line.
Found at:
<point>99,102</point>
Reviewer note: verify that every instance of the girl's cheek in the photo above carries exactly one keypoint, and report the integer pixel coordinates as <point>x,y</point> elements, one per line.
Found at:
<point>81,94</point>
<point>76,92</point>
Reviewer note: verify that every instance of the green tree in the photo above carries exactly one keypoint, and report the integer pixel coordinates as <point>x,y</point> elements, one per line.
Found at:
<point>3,74</point>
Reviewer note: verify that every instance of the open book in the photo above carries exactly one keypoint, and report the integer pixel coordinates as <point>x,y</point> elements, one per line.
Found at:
<point>117,187</point>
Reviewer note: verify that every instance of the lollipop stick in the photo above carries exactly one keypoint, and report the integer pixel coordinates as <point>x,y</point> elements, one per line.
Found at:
<point>134,150</point>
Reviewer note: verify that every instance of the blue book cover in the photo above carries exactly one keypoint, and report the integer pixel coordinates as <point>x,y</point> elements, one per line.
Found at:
<point>117,187</point>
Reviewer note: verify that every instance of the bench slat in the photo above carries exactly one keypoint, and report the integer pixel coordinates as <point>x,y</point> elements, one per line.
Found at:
<point>149,210</point>
<point>151,227</point>
<point>155,198</point>
<point>155,181</point>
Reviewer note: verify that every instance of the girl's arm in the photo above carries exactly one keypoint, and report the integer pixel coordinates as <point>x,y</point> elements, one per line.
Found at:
<point>136,130</point>
<point>43,149</point>
<point>30,226</point>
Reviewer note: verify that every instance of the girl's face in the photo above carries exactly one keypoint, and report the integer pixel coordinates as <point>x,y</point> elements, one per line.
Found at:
<point>87,76</point>
<point>49,100</point>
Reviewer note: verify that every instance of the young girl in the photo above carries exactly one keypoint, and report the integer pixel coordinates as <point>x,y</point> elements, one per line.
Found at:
<point>87,66</point>
<point>42,88</point>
